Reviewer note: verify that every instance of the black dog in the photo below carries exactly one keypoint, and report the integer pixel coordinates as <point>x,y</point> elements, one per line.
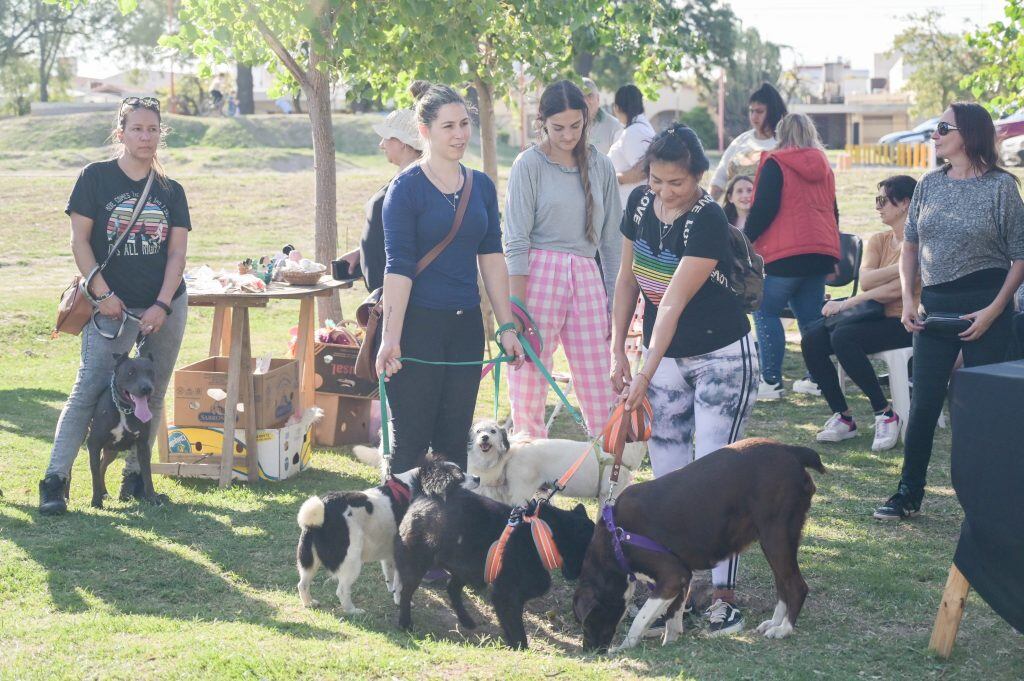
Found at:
<point>121,421</point>
<point>755,489</point>
<point>449,527</point>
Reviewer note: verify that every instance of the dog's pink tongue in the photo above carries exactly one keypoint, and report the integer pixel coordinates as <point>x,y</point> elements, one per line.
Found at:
<point>142,411</point>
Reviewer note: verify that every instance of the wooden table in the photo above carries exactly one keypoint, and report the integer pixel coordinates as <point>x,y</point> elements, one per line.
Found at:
<point>231,338</point>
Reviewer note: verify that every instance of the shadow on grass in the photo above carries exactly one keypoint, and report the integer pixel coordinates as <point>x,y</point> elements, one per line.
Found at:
<point>29,412</point>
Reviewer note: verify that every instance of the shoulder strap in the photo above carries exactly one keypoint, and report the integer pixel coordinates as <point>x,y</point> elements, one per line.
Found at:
<point>143,197</point>
<point>460,212</point>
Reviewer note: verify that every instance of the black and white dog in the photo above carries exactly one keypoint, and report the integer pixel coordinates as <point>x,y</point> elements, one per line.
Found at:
<point>450,527</point>
<point>121,421</point>
<point>343,530</point>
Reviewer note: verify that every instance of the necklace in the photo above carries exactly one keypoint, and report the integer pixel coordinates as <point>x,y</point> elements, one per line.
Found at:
<point>664,229</point>
<point>453,201</point>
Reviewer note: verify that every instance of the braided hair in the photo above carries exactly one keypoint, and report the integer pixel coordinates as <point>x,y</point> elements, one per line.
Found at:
<point>555,99</point>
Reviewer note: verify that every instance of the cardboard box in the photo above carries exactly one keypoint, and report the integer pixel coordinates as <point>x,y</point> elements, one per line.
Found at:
<point>346,420</point>
<point>281,452</point>
<point>275,393</point>
<point>334,367</point>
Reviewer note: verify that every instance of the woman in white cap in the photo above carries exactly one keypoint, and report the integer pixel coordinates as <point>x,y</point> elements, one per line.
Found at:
<point>402,146</point>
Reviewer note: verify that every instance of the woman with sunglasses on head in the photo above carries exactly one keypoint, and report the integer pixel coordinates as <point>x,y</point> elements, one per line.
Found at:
<point>964,237</point>
<point>867,323</point>
<point>562,209</point>
<point>139,292</point>
<point>700,369</point>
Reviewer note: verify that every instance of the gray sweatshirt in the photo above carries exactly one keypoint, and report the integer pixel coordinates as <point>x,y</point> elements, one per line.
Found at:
<point>545,209</point>
<point>963,226</point>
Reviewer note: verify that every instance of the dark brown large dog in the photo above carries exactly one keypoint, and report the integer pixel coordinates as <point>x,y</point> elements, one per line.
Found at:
<point>755,489</point>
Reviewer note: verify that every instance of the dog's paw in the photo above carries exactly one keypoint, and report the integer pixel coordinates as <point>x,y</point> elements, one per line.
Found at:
<point>765,626</point>
<point>467,623</point>
<point>311,603</point>
<point>354,611</point>
<point>779,630</point>
<point>97,503</point>
<point>157,499</point>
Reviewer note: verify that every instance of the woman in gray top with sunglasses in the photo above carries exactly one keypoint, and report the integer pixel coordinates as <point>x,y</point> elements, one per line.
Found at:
<point>139,294</point>
<point>965,237</point>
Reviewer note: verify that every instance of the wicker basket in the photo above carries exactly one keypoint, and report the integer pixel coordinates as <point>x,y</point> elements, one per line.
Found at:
<point>301,278</point>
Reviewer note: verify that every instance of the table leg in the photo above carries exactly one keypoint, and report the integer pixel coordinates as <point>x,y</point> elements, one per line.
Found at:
<point>304,353</point>
<point>220,338</point>
<point>248,404</point>
<point>951,611</point>
<point>162,445</point>
<point>227,456</point>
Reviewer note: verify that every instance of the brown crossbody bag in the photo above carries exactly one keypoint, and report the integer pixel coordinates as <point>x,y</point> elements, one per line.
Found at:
<point>76,304</point>
<point>370,313</point>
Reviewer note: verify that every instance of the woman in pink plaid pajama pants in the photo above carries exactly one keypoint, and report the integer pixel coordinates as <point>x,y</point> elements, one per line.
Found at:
<point>562,209</point>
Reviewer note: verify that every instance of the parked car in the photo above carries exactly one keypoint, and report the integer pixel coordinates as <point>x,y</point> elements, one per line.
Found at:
<point>921,133</point>
<point>1011,151</point>
<point>1011,126</point>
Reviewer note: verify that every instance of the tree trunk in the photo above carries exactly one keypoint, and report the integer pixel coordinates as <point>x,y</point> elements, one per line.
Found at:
<point>489,143</point>
<point>243,83</point>
<point>318,98</point>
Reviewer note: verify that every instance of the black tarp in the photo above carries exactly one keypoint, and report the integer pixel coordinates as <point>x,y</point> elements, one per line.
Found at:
<point>987,411</point>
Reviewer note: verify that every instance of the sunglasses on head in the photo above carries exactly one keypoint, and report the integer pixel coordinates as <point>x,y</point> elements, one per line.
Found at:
<point>151,103</point>
<point>943,128</point>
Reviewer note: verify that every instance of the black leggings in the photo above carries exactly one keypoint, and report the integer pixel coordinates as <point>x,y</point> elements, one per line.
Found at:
<point>851,343</point>
<point>432,406</point>
<point>934,356</point>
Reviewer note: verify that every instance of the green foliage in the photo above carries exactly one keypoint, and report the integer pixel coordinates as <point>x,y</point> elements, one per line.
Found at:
<point>998,81</point>
<point>16,80</point>
<point>755,61</point>
<point>940,61</point>
<point>703,124</point>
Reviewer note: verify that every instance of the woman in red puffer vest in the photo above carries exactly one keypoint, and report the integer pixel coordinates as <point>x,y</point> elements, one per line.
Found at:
<point>794,225</point>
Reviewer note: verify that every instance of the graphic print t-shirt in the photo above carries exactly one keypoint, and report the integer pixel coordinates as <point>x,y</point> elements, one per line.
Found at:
<point>713,318</point>
<point>106,195</point>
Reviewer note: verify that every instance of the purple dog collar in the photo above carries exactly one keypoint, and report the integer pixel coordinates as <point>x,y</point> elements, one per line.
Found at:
<point>620,536</point>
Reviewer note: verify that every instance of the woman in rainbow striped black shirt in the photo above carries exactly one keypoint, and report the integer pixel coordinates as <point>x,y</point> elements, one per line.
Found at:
<point>700,371</point>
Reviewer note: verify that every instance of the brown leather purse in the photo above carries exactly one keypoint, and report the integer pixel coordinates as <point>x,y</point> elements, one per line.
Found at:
<point>76,305</point>
<point>371,311</point>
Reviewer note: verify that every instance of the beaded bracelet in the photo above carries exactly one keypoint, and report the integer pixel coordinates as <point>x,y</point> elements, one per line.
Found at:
<point>507,326</point>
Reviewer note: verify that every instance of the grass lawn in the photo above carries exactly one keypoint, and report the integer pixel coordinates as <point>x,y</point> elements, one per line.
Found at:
<point>205,588</point>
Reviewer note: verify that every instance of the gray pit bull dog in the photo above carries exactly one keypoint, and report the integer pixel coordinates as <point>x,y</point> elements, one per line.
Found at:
<point>121,421</point>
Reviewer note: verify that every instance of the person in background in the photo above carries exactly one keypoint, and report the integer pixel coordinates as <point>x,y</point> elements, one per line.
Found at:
<point>739,195</point>
<point>852,341</point>
<point>402,146</point>
<point>765,109</point>
<point>630,146</point>
<point>603,128</point>
<point>435,315</point>
<point>562,209</point>
<point>965,237</point>
<point>794,226</point>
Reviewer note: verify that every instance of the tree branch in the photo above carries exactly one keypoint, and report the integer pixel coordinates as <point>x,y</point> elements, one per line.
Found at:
<point>278,47</point>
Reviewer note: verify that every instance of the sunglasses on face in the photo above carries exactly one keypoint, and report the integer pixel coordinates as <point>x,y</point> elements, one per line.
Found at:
<point>943,128</point>
<point>881,201</point>
<point>151,103</point>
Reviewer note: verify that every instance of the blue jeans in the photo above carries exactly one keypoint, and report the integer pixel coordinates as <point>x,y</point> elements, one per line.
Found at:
<point>94,377</point>
<point>805,296</point>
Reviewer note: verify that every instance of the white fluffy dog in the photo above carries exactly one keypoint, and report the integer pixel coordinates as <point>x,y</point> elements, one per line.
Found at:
<point>513,470</point>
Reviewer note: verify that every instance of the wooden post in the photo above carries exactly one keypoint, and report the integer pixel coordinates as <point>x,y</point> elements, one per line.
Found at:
<point>951,610</point>
<point>235,369</point>
<point>248,402</point>
<point>304,354</point>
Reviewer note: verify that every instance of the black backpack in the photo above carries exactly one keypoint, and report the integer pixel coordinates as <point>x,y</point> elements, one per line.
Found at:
<point>744,275</point>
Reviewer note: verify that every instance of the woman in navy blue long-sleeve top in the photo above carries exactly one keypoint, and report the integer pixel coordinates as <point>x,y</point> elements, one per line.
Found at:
<point>437,317</point>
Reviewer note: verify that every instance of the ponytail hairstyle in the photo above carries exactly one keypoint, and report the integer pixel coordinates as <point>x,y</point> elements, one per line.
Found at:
<point>678,144</point>
<point>418,88</point>
<point>974,123</point>
<point>555,99</point>
<point>630,102</point>
<point>128,105</point>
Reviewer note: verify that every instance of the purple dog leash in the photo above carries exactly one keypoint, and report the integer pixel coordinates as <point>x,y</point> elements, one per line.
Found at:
<point>620,536</point>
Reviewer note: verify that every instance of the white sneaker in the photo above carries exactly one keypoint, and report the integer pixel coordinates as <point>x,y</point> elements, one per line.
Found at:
<point>887,432</point>
<point>806,386</point>
<point>837,429</point>
<point>769,391</point>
